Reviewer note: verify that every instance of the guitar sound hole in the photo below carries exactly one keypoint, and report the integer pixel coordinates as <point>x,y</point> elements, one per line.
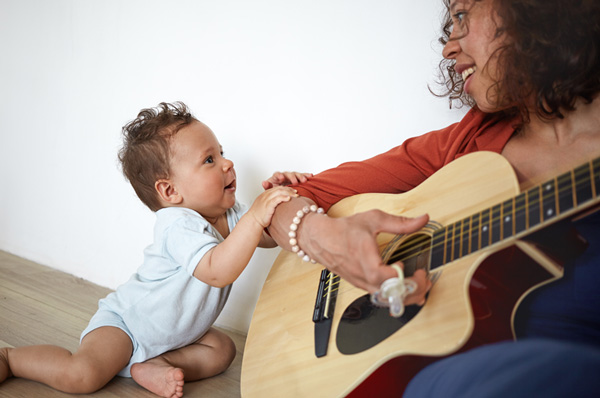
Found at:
<point>364,325</point>
<point>413,252</point>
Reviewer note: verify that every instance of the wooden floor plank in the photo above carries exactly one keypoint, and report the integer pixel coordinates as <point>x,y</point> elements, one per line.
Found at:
<point>39,305</point>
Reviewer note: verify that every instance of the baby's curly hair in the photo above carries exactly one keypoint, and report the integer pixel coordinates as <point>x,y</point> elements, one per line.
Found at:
<point>145,154</point>
<point>552,56</point>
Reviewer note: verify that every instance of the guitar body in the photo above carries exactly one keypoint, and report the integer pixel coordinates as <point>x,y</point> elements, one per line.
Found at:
<point>472,301</point>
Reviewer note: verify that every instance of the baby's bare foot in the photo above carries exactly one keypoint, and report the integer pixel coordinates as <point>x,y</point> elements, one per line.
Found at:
<point>159,377</point>
<point>5,372</point>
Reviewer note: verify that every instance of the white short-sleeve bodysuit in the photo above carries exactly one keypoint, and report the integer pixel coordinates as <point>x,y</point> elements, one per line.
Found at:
<point>163,306</point>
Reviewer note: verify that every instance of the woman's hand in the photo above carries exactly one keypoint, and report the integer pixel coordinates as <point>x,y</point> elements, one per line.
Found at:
<point>348,247</point>
<point>283,178</point>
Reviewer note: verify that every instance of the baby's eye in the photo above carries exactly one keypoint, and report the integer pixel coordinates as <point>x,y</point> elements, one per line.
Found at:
<point>209,160</point>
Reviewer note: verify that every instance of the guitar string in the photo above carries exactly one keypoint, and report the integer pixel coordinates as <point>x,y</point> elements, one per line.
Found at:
<point>402,256</point>
<point>331,285</point>
<point>420,241</point>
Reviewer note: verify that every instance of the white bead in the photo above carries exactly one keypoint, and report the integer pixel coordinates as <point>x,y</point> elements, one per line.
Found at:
<point>294,227</point>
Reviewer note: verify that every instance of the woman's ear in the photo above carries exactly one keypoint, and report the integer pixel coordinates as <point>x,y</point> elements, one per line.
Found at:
<point>167,192</point>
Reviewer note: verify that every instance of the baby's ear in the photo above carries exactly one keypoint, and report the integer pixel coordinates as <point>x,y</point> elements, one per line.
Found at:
<point>167,192</point>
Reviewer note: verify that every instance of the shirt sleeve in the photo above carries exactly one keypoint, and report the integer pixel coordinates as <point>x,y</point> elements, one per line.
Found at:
<point>406,166</point>
<point>188,240</point>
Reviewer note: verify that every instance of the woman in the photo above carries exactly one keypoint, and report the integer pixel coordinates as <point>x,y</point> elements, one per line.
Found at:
<point>530,69</point>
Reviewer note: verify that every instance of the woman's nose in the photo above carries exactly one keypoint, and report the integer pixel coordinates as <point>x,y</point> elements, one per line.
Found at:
<point>451,49</point>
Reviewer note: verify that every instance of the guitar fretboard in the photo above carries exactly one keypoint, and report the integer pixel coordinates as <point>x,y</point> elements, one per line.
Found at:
<point>543,204</point>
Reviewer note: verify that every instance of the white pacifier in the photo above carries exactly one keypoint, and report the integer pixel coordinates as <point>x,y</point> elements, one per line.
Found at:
<point>393,291</point>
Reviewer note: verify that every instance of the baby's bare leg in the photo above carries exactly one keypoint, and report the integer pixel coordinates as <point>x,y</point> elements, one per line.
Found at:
<point>165,374</point>
<point>4,368</point>
<point>101,355</point>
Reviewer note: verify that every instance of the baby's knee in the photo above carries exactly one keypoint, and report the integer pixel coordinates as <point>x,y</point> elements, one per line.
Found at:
<point>85,378</point>
<point>227,351</point>
<point>224,346</point>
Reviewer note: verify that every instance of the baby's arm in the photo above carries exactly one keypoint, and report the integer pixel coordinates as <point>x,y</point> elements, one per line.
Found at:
<point>222,265</point>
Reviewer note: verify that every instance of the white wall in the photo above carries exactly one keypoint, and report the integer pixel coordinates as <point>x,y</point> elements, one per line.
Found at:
<point>285,84</point>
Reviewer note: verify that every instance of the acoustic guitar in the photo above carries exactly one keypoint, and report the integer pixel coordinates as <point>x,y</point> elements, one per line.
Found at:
<point>483,250</point>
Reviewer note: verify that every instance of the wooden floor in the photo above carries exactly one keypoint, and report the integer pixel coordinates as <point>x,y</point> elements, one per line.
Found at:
<point>39,305</point>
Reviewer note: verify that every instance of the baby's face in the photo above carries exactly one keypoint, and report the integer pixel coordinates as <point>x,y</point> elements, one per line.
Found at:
<point>199,172</point>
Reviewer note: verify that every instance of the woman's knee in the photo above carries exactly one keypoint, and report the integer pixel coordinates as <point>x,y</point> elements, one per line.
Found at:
<point>530,367</point>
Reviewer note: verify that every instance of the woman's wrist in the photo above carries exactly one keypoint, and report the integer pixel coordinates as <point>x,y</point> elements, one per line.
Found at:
<point>283,217</point>
<point>294,230</point>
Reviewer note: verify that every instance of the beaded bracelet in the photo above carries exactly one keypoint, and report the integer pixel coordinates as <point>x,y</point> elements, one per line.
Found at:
<point>294,227</point>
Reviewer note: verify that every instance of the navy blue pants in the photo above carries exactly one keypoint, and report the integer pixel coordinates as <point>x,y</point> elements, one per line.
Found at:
<point>527,368</point>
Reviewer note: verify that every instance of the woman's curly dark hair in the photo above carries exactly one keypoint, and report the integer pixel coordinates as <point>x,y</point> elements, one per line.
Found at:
<point>145,154</point>
<point>552,55</point>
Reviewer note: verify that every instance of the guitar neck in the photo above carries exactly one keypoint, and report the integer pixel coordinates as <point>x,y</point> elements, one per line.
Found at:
<point>564,196</point>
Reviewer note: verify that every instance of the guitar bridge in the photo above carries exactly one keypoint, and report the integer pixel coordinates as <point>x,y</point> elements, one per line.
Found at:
<point>324,309</point>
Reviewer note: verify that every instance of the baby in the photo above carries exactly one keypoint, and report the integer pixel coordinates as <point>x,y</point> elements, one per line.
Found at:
<point>157,327</point>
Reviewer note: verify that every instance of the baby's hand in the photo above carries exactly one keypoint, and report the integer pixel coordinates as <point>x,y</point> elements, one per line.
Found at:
<point>285,178</point>
<point>264,206</point>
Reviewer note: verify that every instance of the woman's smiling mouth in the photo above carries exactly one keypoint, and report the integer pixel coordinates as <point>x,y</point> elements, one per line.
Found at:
<point>468,72</point>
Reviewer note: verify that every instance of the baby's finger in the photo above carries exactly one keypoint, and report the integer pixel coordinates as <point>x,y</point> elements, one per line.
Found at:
<point>294,177</point>
<point>303,177</point>
<point>266,184</point>
<point>275,180</point>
